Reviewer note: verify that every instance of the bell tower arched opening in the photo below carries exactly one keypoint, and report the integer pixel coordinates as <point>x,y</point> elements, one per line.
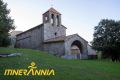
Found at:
<point>53,17</point>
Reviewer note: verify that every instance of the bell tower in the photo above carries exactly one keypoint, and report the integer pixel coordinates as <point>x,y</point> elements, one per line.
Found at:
<point>52,25</point>
<point>52,17</point>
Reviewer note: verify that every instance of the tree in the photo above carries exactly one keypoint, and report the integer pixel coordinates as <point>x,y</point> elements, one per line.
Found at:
<point>6,24</point>
<point>107,38</point>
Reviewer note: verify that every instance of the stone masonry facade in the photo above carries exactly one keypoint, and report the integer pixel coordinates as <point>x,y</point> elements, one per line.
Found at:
<point>50,36</point>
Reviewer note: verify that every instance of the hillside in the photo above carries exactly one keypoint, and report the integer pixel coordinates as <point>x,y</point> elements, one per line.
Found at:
<point>64,69</point>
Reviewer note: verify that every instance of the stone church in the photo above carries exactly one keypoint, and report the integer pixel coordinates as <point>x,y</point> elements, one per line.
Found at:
<point>50,36</point>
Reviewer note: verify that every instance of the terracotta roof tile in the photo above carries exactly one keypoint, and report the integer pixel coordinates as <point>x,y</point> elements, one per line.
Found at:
<point>52,10</point>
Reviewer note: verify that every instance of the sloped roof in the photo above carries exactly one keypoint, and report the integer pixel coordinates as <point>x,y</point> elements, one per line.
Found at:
<point>52,10</point>
<point>40,25</point>
<point>56,39</point>
<point>71,36</point>
<point>61,38</point>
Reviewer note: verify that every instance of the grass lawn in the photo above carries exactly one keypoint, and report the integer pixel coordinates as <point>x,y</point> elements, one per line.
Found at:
<point>64,69</point>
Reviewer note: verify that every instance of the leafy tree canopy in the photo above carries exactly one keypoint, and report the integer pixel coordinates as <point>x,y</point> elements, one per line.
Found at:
<point>6,24</point>
<point>107,37</point>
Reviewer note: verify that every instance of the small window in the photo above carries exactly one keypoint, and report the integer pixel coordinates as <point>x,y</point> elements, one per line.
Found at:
<point>55,33</point>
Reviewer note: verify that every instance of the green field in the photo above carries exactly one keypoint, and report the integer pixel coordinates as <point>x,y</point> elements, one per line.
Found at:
<point>64,69</point>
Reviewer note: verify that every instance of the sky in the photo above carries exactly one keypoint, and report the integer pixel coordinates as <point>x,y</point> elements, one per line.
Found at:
<point>79,16</point>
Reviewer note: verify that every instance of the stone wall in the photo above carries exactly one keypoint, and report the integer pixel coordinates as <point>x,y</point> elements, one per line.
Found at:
<point>56,48</point>
<point>69,41</point>
<point>31,39</point>
<point>53,31</point>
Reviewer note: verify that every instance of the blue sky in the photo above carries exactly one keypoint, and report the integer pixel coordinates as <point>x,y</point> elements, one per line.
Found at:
<point>79,16</point>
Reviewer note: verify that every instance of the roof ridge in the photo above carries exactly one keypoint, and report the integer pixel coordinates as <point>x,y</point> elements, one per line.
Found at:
<point>52,10</point>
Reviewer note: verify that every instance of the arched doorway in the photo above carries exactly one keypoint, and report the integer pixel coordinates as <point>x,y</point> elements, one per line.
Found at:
<point>76,49</point>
